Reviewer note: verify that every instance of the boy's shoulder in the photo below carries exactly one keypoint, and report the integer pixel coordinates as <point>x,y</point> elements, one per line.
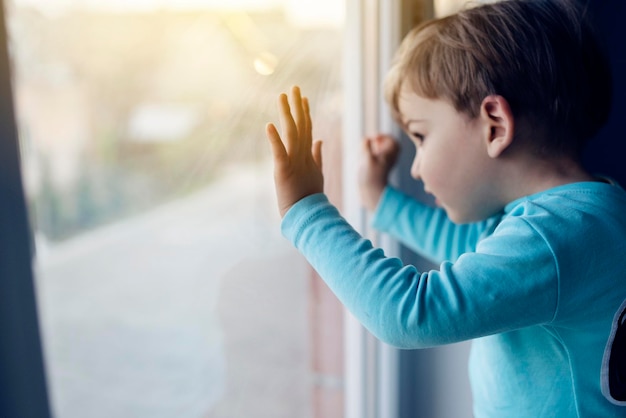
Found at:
<point>595,208</point>
<point>588,194</point>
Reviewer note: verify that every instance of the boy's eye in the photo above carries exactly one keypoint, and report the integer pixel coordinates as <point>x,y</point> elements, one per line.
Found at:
<point>417,137</point>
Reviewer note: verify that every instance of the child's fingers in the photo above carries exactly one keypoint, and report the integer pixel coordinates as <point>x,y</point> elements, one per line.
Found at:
<point>384,143</point>
<point>368,148</point>
<point>276,144</point>
<point>298,114</point>
<point>290,131</point>
<point>317,153</point>
<point>308,138</point>
<point>388,149</point>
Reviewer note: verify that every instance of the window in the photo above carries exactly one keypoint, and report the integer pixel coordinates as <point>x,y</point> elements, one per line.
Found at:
<point>164,288</point>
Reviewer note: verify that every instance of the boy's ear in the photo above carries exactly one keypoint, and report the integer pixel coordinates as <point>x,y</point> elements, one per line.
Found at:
<point>498,118</point>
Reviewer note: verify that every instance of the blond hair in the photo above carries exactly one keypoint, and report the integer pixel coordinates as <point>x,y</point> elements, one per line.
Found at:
<point>542,56</point>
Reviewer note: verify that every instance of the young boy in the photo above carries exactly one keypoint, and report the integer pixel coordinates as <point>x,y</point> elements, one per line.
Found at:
<point>499,101</point>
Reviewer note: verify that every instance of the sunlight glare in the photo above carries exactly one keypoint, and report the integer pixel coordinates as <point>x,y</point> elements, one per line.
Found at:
<point>301,13</point>
<point>316,13</point>
<point>129,6</point>
<point>265,63</point>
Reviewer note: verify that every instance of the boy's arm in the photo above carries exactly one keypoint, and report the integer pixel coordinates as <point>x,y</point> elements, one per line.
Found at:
<point>480,294</point>
<point>425,229</point>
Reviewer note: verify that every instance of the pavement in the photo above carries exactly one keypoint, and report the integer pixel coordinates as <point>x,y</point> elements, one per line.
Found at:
<point>196,309</point>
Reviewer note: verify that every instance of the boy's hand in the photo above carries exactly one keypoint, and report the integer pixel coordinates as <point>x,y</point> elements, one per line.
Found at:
<point>297,159</point>
<point>380,154</point>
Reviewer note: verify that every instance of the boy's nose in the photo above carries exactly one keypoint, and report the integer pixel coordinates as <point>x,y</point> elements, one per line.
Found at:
<point>415,167</point>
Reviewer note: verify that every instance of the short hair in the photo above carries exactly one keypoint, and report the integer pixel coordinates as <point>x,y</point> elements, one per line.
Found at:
<point>542,56</point>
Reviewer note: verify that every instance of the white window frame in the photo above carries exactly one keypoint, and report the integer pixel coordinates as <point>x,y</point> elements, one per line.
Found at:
<point>373,31</point>
<point>381,381</point>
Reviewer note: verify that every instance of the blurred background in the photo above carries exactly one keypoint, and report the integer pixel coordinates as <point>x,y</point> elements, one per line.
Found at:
<point>164,287</point>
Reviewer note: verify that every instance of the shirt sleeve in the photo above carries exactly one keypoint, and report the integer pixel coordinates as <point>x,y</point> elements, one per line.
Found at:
<point>509,283</point>
<point>424,229</point>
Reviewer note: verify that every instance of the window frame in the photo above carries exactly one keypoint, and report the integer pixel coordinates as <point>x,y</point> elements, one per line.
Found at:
<point>373,32</point>
<point>23,389</point>
<point>381,381</point>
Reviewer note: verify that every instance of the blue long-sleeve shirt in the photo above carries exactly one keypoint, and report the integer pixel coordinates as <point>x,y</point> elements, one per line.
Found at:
<point>537,287</point>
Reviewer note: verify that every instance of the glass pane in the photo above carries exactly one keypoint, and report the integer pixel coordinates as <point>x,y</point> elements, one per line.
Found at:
<point>164,286</point>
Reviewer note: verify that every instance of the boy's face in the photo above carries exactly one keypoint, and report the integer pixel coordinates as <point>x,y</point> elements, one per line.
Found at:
<point>451,157</point>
